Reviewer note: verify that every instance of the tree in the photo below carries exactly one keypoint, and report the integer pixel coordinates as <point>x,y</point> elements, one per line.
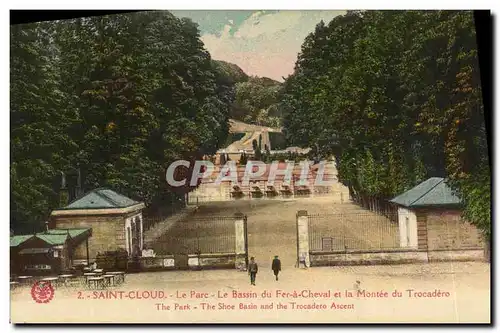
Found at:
<point>400,93</point>
<point>40,144</point>
<point>256,149</point>
<point>119,96</point>
<point>257,102</point>
<point>243,158</point>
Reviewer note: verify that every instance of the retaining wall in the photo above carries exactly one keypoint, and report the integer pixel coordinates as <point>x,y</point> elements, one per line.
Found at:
<point>202,261</point>
<point>389,257</point>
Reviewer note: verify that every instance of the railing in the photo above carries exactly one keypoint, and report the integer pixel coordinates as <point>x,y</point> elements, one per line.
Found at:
<point>380,206</point>
<point>214,234</point>
<point>352,231</point>
<point>150,219</point>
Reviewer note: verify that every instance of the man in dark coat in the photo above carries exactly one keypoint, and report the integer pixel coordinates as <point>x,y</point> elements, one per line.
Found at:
<point>276,266</point>
<point>253,268</point>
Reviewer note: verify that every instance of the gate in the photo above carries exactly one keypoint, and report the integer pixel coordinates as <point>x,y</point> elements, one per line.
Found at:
<point>352,231</point>
<point>211,234</point>
<point>204,240</point>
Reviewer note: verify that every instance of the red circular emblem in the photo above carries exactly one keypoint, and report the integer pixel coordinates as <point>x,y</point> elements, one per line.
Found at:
<point>42,292</point>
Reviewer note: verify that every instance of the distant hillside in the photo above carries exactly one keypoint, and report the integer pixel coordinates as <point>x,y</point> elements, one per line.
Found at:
<point>265,81</point>
<point>256,98</point>
<point>233,73</point>
<point>257,102</point>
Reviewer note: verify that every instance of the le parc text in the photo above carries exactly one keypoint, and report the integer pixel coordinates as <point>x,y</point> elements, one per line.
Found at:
<point>220,294</point>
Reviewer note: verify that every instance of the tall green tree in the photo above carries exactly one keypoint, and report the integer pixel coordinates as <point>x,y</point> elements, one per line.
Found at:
<point>399,92</point>
<point>39,141</point>
<point>119,97</point>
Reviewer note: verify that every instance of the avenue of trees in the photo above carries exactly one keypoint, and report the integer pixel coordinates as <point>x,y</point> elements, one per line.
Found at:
<point>401,92</point>
<point>395,96</point>
<point>119,97</point>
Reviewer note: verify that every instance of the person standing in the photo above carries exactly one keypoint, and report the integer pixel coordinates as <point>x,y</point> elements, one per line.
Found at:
<point>253,268</point>
<point>276,266</point>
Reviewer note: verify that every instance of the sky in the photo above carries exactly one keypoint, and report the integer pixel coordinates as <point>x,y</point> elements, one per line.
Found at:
<point>262,43</point>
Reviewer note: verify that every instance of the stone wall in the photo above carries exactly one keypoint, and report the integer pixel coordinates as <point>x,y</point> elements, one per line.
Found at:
<point>456,255</point>
<point>422,231</point>
<point>392,257</point>
<point>202,261</point>
<point>447,230</point>
<point>157,263</point>
<point>217,260</point>
<point>209,191</point>
<point>367,257</point>
<point>441,229</point>
<point>108,233</point>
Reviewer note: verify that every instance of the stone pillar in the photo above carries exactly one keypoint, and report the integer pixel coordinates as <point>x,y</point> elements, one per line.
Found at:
<point>141,239</point>
<point>303,259</point>
<point>193,261</point>
<point>240,248</point>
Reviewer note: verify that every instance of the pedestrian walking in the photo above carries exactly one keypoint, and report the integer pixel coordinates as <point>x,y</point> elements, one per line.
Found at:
<point>276,266</point>
<point>253,268</point>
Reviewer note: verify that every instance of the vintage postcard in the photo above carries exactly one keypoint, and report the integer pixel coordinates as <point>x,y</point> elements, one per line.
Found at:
<point>249,167</point>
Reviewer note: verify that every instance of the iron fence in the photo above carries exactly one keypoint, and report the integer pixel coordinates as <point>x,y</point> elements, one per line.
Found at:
<point>150,219</point>
<point>214,234</point>
<point>353,231</point>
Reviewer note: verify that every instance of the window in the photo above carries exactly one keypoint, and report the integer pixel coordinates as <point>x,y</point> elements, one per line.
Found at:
<point>137,226</point>
<point>139,236</point>
<point>129,234</point>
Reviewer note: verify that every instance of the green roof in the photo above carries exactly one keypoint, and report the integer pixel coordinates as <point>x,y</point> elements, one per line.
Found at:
<point>53,239</point>
<point>36,250</point>
<point>18,239</point>
<point>101,198</point>
<point>432,192</point>
<point>51,236</point>
<point>75,232</point>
